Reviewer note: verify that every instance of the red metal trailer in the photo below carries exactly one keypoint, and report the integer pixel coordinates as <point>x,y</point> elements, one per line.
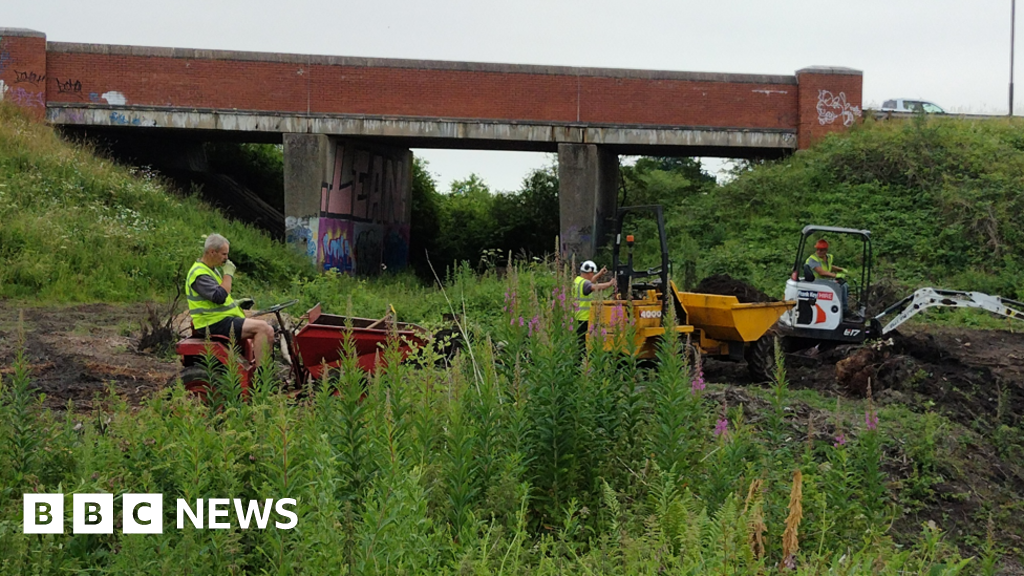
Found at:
<point>309,349</point>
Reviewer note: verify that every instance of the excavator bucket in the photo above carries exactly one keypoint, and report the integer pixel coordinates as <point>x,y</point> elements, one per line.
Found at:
<point>725,318</point>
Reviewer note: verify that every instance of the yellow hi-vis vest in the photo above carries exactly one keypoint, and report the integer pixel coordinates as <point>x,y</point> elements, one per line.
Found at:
<point>814,262</point>
<point>582,300</point>
<point>203,311</point>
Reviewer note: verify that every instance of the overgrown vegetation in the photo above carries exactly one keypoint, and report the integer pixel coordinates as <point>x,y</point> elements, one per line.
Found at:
<point>475,225</point>
<point>940,196</point>
<point>520,458</point>
<point>513,461</point>
<point>80,229</point>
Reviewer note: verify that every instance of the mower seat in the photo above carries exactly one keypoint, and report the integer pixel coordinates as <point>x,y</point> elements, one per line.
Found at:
<point>243,347</point>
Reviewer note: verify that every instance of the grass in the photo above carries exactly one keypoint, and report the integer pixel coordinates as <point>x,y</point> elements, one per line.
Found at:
<point>517,460</point>
<point>79,229</point>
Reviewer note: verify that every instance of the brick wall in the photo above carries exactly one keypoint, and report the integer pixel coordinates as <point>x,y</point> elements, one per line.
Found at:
<point>417,89</point>
<point>814,102</point>
<point>830,101</point>
<point>23,70</point>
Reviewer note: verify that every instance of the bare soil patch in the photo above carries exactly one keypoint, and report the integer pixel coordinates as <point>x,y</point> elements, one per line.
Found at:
<point>76,352</point>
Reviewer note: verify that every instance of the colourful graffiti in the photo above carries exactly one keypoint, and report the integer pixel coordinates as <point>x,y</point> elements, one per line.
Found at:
<point>334,248</point>
<point>367,191</point>
<point>301,233</point>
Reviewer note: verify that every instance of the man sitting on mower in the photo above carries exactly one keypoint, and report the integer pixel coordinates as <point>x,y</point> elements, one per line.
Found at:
<point>210,304</point>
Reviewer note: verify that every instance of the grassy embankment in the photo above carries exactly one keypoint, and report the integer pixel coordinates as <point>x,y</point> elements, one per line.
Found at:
<point>941,197</point>
<point>510,462</point>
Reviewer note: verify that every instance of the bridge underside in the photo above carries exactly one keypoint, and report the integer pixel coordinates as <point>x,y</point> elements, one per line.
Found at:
<point>348,177</point>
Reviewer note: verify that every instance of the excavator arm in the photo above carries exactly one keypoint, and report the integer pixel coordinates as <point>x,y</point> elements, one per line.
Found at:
<point>931,297</point>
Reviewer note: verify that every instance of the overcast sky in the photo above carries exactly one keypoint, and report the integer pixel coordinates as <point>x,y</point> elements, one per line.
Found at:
<point>955,53</point>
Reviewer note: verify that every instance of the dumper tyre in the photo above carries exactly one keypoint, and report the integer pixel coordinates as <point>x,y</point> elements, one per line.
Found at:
<point>760,356</point>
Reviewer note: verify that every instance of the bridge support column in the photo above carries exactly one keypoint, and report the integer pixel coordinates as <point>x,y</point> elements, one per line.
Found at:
<point>305,173</point>
<point>588,184</point>
<point>347,203</point>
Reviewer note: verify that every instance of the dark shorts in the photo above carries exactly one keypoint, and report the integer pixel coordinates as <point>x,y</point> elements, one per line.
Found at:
<point>224,327</point>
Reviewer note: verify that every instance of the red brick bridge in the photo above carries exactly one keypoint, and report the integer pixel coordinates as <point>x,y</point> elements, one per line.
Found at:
<point>347,123</point>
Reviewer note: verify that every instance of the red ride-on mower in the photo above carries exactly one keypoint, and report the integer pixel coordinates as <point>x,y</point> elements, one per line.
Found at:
<point>307,350</point>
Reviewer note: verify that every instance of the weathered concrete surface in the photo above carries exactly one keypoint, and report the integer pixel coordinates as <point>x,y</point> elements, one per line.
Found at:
<point>21,32</point>
<point>588,177</point>
<point>418,132</point>
<point>305,171</point>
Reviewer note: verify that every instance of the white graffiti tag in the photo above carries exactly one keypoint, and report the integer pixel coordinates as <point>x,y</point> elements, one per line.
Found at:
<point>831,107</point>
<point>3,88</point>
<point>115,98</point>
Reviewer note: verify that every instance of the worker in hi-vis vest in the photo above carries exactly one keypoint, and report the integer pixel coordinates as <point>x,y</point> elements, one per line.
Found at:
<point>820,263</point>
<point>583,287</point>
<point>210,304</point>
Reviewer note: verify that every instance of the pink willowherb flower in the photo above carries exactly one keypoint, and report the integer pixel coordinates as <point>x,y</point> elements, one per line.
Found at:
<point>698,383</point>
<point>871,420</point>
<point>534,325</point>
<point>721,427</point>
<point>840,440</point>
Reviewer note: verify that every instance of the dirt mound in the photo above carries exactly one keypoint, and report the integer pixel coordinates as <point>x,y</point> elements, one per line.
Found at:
<point>725,285</point>
<point>971,376</point>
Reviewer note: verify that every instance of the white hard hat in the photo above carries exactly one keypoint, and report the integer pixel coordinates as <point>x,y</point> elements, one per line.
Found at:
<point>588,266</point>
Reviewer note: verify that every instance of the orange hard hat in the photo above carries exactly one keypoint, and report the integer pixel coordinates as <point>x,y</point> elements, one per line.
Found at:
<point>822,244</point>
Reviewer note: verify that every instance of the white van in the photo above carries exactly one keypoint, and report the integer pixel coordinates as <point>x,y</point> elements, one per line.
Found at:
<point>910,105</point>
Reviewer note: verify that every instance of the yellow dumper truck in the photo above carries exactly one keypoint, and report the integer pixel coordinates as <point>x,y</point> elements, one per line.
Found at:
<point>720,326</point>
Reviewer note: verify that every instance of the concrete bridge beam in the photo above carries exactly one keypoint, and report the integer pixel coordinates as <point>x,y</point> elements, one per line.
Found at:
<point>588,184</point>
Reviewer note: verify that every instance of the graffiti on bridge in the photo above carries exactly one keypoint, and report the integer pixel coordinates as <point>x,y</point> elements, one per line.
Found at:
<point>334,246</point>
<point>112,97</point>
<point>369,250</point>
<point>25,98</point>
<point>28,78</point>
<point>122,120</point>
<point>301,233</point>
<point>69,87</point>
<point>5,56</point>
<point>832,107</point>
<point>363,212</point>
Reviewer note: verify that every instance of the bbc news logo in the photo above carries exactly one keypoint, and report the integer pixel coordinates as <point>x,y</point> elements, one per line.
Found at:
<point>144,513</point>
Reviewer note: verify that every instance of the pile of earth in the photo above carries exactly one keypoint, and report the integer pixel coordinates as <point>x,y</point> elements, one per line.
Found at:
<point>725,285</point>
<point>969,375</point>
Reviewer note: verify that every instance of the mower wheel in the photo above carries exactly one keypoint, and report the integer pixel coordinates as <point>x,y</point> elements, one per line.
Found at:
<point>195,379</point>
<point>760,356</point>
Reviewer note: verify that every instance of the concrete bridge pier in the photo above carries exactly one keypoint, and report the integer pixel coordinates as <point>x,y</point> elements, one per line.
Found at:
<point>347,202</point>
<point>588,184</point>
